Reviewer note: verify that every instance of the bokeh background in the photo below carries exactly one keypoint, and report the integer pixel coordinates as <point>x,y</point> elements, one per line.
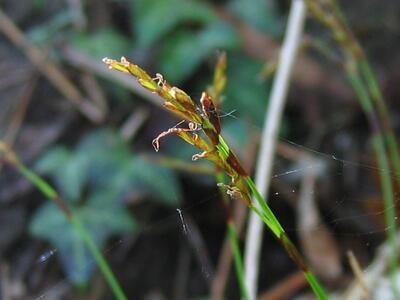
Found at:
<point>88,131</point>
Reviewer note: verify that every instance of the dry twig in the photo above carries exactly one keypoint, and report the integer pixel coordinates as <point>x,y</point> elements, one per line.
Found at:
<point>355,266</point>
<point>285,288</point>
<point>88,64</point>
<point>48,68</point>
<point>373,273</point>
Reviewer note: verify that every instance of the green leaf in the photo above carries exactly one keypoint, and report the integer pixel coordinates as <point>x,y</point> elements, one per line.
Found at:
<point>261,14</point>
<point>39,4</point>
<point>113,167</point>
<point>52,160</point>
<point>155,18</point>
<point>237,133</point>
<point>103,161</point>
<point>45,32</point>
<point>71,178</point>
<point>106,153</point>
<point>244,93</point>
<point>68,171</point>
<point>144,177</point>
<point>102,216</point>
<point>104,40</point>
<point>184,51</point>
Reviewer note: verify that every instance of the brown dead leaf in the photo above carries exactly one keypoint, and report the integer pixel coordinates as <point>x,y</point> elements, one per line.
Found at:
<point>317,242</point>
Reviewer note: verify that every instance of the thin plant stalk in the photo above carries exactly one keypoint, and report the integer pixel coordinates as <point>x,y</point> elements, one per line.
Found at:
<point>215,91</point>
<point>272,121</point>
<point>378,145</point>
<point>234,242</point>
<point>204,132</point>
<point>237,258</point>
<point>268,217</point>
<point>377,96</point>
<point>9,156</point>
<point>331,15</point>
<point>364,83</point>
<point>368,75</point>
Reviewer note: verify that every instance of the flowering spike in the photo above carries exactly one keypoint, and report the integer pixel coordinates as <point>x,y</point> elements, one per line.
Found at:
<point>186,134</point>
<point>214,148</point>
<point>113,64</point>
<point>200,155</point>
<point>125,66</point>
<point>210,111</point>
<point>183,98</point>
<point>219,81</point>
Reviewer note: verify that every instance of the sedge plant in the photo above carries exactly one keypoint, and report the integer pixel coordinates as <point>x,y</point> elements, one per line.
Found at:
<point>364,83</point>
<point>215,91</point>
<point>9,157</point>
<point>204,132</point>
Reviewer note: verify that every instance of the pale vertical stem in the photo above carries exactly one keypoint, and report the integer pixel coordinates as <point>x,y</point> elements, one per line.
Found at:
<point>273,118</point>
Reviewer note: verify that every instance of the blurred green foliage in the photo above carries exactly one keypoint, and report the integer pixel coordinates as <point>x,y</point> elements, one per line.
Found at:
<point>192,34</point>
<point>44,33</point>
<point>260,14</point>
<point>154,19</point>
<point>105,39</point>
<point>176,38</point>
<point>94,179</point>
<point>183,52</point>
<point>102,217</point>
<point>245,92</point>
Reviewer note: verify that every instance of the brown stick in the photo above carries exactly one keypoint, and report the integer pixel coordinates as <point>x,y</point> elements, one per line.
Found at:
<point>48,68</point>
<point>86,63</point>
<point>359,274</point>
<point>285,288</point>
<point>18,117</point>
<point>133,123</point>
<point>95,92</point>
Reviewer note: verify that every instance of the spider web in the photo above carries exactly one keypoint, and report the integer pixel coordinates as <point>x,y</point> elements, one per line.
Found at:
<point>340,226</point>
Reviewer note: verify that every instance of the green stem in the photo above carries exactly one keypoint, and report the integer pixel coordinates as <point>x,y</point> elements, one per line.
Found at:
<point>315,285</point>
<point>237,258</point>
<point>390,213</point>
<point>234,241</point>
<point>216,90</point>
<point>372,88</point>
<point>50,193</point>
<point>336,21</point>
<point>40,184</point>
<point>383,164</point>
<point>377,97</point>
<point>365,85</point>
<point>382,132</point>
<point>100,260</point>
<point>269,218</point>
